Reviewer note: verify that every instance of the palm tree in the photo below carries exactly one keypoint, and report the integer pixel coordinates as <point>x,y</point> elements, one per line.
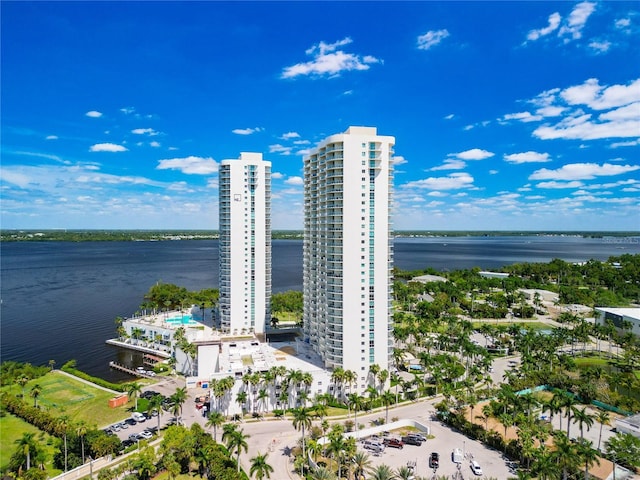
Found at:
<point>215,419</point>
<point>81,431</point>
<point>564,453</point>
<point>404,473</point>
<point>61,427</point>
<point>588,455</point>
<point>236,441</point>
<point>387,398</point>
<point>381,472</point>
<point>583,418</point>
<point>133,390</point>
<point>155,405</point>
<point>36,390</point>
<point>241,400</point>
<point>337,446</point>
<point>322,474</point>
<point>302,420</point>
<point>260,468</point>
<point>361,463</point>
<point>603,418</point>
<point>357,402</point>
<point>27,444</point>
<point>179,397</point>
<point>22,381</point>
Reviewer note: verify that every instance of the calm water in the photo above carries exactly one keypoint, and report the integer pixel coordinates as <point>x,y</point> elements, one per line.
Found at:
<point>59,300</point>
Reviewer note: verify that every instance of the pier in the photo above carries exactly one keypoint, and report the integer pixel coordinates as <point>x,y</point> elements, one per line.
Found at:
<point>122,368</point>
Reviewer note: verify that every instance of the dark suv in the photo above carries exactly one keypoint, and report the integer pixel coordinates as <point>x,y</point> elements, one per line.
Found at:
<point>411,441</point>
<point>434,460</point>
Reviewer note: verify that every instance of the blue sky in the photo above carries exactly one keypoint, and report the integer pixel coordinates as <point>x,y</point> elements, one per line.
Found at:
<point>507,115</point>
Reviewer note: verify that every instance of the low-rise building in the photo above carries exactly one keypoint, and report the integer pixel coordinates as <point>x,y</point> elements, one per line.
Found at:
<point>624,319</point>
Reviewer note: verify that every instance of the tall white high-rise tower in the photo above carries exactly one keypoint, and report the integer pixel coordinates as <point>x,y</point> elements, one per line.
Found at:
<point>348,256</point>
<point>245,244</point>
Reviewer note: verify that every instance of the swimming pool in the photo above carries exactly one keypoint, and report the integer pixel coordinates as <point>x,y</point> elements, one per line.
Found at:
<point>183,320</point>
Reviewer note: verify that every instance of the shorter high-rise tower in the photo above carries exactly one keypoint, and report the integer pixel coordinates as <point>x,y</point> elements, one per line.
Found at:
<point>348,250</point>
<point>245,244</point>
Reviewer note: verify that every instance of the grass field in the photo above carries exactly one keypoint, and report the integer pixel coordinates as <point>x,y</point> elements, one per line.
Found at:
<point>12,429</point>
<point>63,395</point>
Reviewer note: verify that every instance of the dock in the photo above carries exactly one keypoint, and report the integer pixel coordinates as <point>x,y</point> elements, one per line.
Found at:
<point>122,368</point>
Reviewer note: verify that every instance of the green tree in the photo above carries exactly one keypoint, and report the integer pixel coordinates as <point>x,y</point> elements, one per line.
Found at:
<point>381,472</point>
<point>624,449</point>
<point>36,390</point>
<point>259,467</point>
<point>133,391</point>
<point>603,418</point>
<point>236,441</point>
<point>215,419</point>
<point>301,420</point>
<point>179,397</point>
<point>155,405</point>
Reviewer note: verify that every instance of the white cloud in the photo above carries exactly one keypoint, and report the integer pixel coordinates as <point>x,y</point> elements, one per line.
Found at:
<point>431,38</point>
<point>558,185</point>
<point>454,181</point>
<point>527,157</point>
<point>107,147</point>
<point>473,154</point>
<point>623,23</point>
<point>246,131</point>
<point>450,164</point>
<point>51,137</point>
<point>524,117</point>
<point>145,131</point>
<point>630,143</point>
<point>449,117</point>
<point>582,171</point>
<point>554,23</point>
<point>290,135</point>
<point>154,144</point>
<point>294,181</point>
<point>468,127</point>
<point>347,92</point>
<point>330,62</point>
<point>93,114</point>
<point>190,165</point>
<point>550,111</point>
<point>577,20</point>
<point>622,120</point>
<point>301,142</point>
<point>398,160</point>
<point>128,110</point>
<point>276,175</point>
<point>600,47</point>
<point>281,149</point>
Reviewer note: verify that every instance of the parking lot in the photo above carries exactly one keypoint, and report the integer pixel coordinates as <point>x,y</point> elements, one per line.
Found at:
<point>446,440</point>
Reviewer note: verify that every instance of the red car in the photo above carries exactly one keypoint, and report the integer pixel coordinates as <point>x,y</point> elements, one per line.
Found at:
<point>393,442</point>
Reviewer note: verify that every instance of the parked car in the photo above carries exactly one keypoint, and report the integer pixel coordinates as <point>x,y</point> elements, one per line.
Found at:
<point>411,441</point>
<point>393,442</point>
<point>138,417</point>
<point>374,447</point>
<point>419,436</point>
<point>130,421</point>
<point>116,427</point>
<point>133,437</point>
<point>434,460</point>
<point>145,435</point>
<point>475,467</point>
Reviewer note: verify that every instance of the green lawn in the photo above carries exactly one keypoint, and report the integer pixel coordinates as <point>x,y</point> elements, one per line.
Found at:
<point>11,429</point>
<point>61,394</point>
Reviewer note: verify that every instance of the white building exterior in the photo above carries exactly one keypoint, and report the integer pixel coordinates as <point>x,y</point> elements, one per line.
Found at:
<point>620,317</point>
<point>245,244</point>
<point>348,257</point>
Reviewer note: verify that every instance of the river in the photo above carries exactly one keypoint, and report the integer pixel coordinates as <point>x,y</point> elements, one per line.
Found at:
<point>60,299</point>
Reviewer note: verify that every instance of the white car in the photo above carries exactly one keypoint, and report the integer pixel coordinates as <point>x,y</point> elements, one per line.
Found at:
<point>146,435</point>
<point>476,468</point>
